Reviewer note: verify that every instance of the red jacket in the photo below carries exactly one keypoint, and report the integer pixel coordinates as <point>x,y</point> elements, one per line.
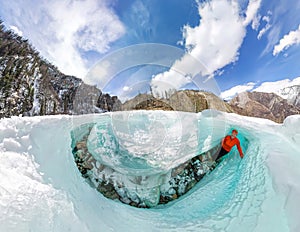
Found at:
<point>228,143</point>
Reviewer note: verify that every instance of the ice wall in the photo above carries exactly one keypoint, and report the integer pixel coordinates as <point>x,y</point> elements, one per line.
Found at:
<point>42,190</point>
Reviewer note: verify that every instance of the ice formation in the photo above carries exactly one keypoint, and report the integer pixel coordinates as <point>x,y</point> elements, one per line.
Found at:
<point>41,188</point>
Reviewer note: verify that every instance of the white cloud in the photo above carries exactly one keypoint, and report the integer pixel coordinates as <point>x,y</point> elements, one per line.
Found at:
<point>60,30</point>
<point>217,39</point>
<point>292,38</point>
<point>256,22</point>
<point>266,87</point>
<point>230,93</point>
<point>266,27</point>
<point>215,42</point>
<point>251,11</point>
<point>272,37</point>
<point>168,80</point>
<point>276,86</point>
<point>140,13</point>
<point>284,16</point>
<point>126,88</point>
<point>263,31</point>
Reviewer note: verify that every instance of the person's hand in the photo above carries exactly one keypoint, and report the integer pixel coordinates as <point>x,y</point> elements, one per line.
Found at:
<point>242,156</point>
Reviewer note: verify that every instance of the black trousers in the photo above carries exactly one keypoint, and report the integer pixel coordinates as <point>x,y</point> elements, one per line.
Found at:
<point>222,153</point>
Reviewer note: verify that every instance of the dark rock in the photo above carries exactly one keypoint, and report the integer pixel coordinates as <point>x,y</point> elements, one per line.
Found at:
<point>108,190</point>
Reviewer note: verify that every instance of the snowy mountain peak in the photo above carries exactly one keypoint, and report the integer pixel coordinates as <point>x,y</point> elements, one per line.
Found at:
<point>263,105</point>
<point>292,94</point>
<point>287,89</point>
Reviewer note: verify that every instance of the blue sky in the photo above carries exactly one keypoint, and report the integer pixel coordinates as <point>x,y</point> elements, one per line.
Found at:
<point>240,44</point>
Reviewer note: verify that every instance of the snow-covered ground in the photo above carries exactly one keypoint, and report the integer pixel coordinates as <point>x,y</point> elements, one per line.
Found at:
<point>41,188</point>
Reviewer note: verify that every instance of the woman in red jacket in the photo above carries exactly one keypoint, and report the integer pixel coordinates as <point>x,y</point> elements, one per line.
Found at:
<point>228,142</point>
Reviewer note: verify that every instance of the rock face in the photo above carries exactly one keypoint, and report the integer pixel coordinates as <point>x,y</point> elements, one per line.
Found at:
<point>197,101</point>
<point>146,102</point>
<point>185,100</point>
<point>263,105</point>
<point>89,99</point>
<point>30,85</point>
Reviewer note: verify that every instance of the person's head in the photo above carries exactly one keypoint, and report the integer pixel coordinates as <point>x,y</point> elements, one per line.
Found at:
<point>234,133</point>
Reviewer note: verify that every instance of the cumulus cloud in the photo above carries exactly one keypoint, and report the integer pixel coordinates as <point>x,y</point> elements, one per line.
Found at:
<point>62,30</point>
<point>230,93</point>
<point>292,38</point>
<point>217,39</point>
<point>215,42</point>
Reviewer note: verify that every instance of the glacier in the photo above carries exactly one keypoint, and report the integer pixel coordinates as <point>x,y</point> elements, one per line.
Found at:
<point>41,188</point>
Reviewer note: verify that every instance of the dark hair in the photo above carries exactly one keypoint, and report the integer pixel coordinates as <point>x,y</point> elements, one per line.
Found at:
<point>234,131</point>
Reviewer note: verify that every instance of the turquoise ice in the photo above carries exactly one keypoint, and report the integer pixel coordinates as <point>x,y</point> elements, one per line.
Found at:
<point>42,190</point>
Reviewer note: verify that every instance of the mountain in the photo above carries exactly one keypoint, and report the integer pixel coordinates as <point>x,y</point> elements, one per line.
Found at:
<point>286,88</point>
<point>30,85</point>
<point>263,105</point>
<point>146,102</point>
<point>197,101</point>
<point>254,104</point>
<point>183,100</point>
<point>292,94</point>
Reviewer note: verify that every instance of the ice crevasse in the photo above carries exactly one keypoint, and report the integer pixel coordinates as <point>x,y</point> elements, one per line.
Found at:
<point>42,190</point>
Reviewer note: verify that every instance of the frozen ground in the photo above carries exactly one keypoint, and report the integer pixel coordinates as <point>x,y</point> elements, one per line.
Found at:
<point>42,190</point>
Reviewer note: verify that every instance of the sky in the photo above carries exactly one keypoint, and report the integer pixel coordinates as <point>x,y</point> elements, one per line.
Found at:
<point>225,46</point>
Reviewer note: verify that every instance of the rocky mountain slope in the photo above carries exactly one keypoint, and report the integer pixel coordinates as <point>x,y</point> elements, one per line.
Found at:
<point>30,85</point>
<point>255,104</point>
<point>184,100</point>
<point>263,105</point>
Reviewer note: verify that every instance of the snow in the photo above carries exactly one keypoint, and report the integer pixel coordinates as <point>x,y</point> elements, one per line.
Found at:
<point>287,89</point>
<point>41,188</point>
<point>36,105</point>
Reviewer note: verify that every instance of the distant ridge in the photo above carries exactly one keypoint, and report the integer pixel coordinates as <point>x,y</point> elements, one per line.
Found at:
<point>183,100</point>
<point>263,105</point>
<point>254,104</point>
